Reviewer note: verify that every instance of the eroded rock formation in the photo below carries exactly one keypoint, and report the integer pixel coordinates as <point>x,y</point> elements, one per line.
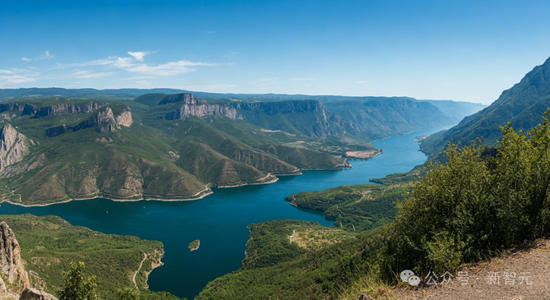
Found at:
<point>13,146</point>
<point>11,264</point>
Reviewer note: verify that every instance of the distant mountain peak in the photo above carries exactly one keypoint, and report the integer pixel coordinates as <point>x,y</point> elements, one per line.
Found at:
<point>523,105</point>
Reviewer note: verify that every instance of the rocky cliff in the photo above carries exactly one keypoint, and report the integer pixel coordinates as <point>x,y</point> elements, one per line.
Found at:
<point>25,108</point>
<point>295,116</point>
<point>13,146</point>
<point>199,109</point>
<point>104,121</point>
<point>187,98</point>
<point>14,279</point>
<point>11,264</point>
<point>61,109</point>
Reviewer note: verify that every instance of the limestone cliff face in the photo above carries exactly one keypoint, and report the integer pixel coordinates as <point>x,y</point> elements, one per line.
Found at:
<point>308,116</point>
<point>186,98</point>
<point>124,119</point>
<point>105,120</point>
<point>13,270</point>
<point>203,110</point>
<point>13,146</point>
<point>25,108</point>
<point>61,109</point>
<point>11,264</point>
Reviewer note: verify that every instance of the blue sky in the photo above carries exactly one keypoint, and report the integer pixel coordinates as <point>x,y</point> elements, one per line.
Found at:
<point>445,49</point>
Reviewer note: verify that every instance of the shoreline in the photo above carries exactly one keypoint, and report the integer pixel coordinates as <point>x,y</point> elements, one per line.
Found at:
<point>197,196</point>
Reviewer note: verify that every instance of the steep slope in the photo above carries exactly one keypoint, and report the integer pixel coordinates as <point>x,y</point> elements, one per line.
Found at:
<point>376,118</point>
<point>64,149</point>
<point>13,147</point>
<point>457,110</point>
<point>49,244</point>
<point>523,105</point>
<point>11,264</point>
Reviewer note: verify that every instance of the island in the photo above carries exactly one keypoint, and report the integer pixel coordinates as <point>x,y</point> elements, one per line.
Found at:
<point>194,245</point>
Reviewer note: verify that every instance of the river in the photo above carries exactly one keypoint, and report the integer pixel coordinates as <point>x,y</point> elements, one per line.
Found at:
<point>220,220</point>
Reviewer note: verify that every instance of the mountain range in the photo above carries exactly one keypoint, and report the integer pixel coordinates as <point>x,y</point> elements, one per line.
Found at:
<point>58,144</point>
<point>523,105</point>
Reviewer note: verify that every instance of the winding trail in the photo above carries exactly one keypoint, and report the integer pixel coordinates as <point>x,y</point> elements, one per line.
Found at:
<point>137,271</point>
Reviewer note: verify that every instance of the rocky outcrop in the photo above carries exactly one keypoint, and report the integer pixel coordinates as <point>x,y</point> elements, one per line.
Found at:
<point>62,109</point>
<point>283,107</point>
<point>34,294</point>
<point>203,110</point>
<point>105,120</point>
<point>13,146</point>
<point>11,264</point>
<point>306,116</point>
<point>25,108</point>
<point>187,98</point>
<point>124,119</point>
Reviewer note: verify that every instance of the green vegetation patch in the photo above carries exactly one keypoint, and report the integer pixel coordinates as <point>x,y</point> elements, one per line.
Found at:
<point>49,244</point>
<point>354,207</point>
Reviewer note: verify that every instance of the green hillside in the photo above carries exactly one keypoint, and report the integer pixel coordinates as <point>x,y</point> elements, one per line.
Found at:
<point>477,204</point>
<point>521,105</point>
<point>49,244</point>
<point>178,146</point>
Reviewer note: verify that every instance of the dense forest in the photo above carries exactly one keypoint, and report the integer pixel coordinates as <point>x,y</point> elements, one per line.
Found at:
<point>475,203</point>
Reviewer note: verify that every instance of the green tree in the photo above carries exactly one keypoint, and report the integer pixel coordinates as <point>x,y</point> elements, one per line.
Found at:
<point>78,286</point>
<point>128,294</point>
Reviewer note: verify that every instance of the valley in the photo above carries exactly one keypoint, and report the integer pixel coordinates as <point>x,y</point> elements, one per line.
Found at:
<point>220,220</point>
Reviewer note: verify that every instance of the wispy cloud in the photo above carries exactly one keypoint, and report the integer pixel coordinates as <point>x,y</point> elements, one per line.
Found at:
<point>46,55</point>
<point>211,31</point>
<point>361,81</point>
<point>91,74</point>
<point>139,55</point>
<point>9,78</point>
<point>134,64</point>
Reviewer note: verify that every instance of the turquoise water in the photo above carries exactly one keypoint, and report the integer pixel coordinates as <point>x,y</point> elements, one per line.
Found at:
<point>220,220</point>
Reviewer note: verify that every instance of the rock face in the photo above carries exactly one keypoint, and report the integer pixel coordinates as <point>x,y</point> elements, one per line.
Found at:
<point>199,109</point>
<point>184,97</point>
<point>105,120</point>
<point>13,146</point>
<point>124,119</point>
<point>25,108</point>
<point>11,264</point>
<point>307,116</point>
<point>61,109</point>
<point>34,294</point>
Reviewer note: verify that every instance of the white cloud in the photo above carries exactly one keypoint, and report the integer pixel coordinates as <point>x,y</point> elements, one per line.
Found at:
<point>168,69</point>
<point>26,59</point>
<point>5,72</point>
<point>139,55</point>
<point>6,80</point>
<point>46,55</point>
<point>133,64</point>
<point>91,74</point>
